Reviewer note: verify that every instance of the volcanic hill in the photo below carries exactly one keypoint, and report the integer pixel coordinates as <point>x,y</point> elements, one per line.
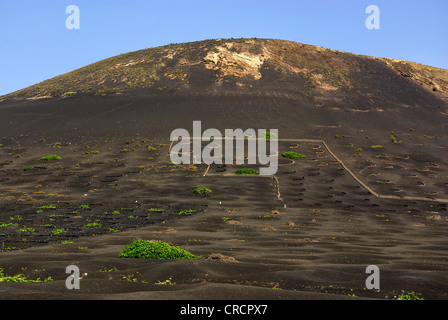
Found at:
<point>248,82</point>
<point>352,102</point>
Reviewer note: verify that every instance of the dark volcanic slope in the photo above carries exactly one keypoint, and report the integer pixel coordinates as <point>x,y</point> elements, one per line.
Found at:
<point>249,83</point>
<point>313,228</point>
<point>352,102</point>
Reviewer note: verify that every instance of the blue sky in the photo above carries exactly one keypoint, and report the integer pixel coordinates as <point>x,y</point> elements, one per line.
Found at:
<point>35,44</point>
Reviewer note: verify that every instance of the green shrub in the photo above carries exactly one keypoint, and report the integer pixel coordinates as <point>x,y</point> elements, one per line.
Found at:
<point>246,171</point>
<point>4,225</point>
<point>20,278</point>
<point>58,231</point>
<point>393,138</point>
<point>92,152</point>
<point>93,225</point>
<point>268,135</point>
<point>52,207</point>
<point>293,155</point>
<point>145,249</point>
<point>51,157</point>
<point>202,190</point>
<point>186,212</point>
<point>111,213</point>
<point>410,296</point>
<point>26,168</point>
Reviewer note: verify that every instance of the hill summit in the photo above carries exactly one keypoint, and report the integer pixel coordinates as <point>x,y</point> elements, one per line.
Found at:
<point>222,64</point>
